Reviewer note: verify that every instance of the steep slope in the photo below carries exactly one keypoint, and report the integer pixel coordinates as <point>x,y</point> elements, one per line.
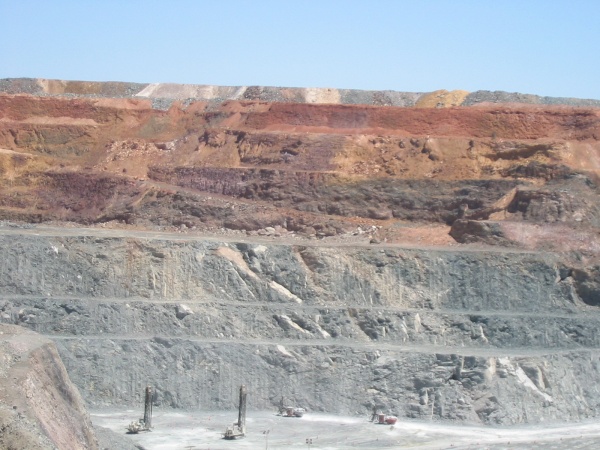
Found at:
<point>313,169</point>
<point>39,406</point>
<point>436,254</point>
<point>490,336</point>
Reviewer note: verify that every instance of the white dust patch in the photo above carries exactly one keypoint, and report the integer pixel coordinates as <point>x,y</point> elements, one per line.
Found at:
<point>284,351</point>
<point>321,95</point>
<point>522,377</point>
<point>283,291</point>
<point>196,91</point>
<point>237,259</point>
<point>323,333</point>
<point>293,324</point>
<point>13,153</point>
<point>178,91</point>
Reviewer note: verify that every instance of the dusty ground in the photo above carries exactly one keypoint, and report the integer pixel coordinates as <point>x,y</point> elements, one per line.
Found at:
<point>202,430</point>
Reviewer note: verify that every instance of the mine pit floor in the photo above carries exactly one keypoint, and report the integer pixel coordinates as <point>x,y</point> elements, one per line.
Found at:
<point>199,430</point>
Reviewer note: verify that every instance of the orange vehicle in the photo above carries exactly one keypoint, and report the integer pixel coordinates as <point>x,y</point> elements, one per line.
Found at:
<point>384,419</point>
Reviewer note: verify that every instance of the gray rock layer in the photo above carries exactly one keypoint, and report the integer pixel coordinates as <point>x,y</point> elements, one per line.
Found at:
<point>480,336</point>
<point>163,94</point>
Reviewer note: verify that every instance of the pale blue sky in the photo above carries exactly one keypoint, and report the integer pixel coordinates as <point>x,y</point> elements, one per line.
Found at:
<point>540,47</point>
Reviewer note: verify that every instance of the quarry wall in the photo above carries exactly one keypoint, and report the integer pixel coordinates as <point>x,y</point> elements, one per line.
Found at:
<point>491,336</point>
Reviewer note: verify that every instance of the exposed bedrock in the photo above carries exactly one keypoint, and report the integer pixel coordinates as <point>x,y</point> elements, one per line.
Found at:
<point>482,336</point>
<point>40,408</point>
<point>331,194</point>
<point>314,288</point>
<point>313,162</point>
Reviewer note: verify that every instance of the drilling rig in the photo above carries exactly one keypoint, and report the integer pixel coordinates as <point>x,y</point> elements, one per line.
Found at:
<point>146,423</point>
<point>238,429</point>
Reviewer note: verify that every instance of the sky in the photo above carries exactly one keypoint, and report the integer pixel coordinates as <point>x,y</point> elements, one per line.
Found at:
<point>543,47</point>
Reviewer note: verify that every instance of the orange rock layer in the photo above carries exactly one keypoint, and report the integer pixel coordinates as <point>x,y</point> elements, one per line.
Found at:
<point>312,169</point>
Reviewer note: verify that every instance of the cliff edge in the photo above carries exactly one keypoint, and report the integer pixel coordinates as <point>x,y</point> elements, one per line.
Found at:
<point>39,406</point>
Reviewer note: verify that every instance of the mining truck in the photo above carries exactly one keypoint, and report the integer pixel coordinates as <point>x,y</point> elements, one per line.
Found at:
<point>290,411</point>
<point>238,429</point>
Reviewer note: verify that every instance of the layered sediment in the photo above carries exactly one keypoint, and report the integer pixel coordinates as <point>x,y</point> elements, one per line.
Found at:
<point>433,255</point>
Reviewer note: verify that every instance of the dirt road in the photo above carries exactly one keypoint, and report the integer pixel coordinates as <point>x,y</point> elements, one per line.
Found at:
<point>202,430</point>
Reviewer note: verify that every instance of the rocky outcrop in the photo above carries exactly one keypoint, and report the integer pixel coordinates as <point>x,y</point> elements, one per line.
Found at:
<point>482,336</point>
<point>470,231</point>
<point>344,249</point>
<point>39,406</point>
<point>85,153</point>
<point>587,284</point>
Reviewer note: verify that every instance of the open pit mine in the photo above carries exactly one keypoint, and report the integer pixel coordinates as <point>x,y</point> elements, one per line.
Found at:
<point>428,256</point>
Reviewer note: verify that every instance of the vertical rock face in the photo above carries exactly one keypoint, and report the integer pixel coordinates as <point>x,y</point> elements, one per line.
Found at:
<point>490,336</point>
<point>39,406</point>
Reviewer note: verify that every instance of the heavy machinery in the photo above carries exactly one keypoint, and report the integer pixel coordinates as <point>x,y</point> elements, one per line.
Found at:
<point>144,424</point>
<point>382,419</point>
<point>290,411</point>
<point>238,429</point>
<point>293,412</point>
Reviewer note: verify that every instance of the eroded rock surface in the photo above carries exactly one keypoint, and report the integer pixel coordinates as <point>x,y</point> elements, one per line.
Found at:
<point>432,254</point>
<point>39,406</point>
<point>492,336</point>
<point>235,159</point>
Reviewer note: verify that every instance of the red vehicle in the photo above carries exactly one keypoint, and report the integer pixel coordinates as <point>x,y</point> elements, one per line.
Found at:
<point>384,419</point>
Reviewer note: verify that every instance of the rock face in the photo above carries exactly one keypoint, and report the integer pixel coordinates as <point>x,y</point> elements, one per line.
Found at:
<point>39,406</point>
<point>483,336</point>
<point>344,249</point>
<point>74,153</point>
